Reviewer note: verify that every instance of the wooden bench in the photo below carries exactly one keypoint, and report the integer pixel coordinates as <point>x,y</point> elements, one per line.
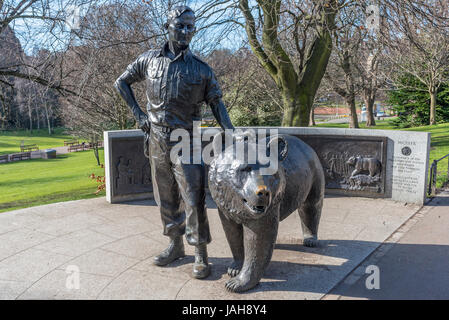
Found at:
<point>29,148</point>
<point>71,142</point>
<point>4,157</point>
<point>20,156</point>
<point>76,147</point>
<point>91,145</point>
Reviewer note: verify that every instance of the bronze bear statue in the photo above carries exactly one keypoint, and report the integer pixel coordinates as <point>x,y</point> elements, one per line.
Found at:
<point>251,205</point>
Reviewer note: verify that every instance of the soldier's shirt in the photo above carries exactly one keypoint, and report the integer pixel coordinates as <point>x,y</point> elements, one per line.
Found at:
<point>175,88</point>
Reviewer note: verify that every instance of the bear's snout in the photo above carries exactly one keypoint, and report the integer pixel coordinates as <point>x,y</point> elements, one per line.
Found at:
<point>258,201</point>
<point>262,191</point>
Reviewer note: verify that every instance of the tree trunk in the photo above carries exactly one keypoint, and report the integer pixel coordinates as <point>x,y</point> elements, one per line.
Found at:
<point>289,103</point>
<point>95,148</point>
<point>4,117</point>
<point>48,119</point>
<point>311,78</point>
<point>31,118</point>
<point>353,120</point>
<point>312,118</point>
<point>433,104</point>
<point>296,110</point>
<point>298,90</point>
<point>37,116</point>
<point>370,120</point>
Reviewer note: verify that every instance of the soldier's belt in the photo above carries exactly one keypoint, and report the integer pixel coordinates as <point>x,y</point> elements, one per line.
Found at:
<point>163,129</point>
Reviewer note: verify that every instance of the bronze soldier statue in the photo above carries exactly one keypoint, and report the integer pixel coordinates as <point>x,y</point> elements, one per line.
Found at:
<point>177,83</point>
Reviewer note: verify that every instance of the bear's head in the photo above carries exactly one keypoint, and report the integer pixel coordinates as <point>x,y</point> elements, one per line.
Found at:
<point>351,161</point>
<point>246,189</point>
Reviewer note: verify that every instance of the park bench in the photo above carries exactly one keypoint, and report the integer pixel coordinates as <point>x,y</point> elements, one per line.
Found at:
<point>91,145</point>
<point>76,147</point>
<point>29,148</point>
<point>20,156</point>
<point>4,157</point>
<point>71,142</point>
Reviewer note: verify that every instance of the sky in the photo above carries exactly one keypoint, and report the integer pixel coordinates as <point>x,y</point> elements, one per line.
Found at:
<point>34,34</point>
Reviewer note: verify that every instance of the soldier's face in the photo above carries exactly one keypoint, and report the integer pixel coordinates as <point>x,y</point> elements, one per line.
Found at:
<point>182,29</point>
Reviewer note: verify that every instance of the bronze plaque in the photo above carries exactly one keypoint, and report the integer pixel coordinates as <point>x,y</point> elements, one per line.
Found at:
<point>131,174</point>
<point>352,165</point>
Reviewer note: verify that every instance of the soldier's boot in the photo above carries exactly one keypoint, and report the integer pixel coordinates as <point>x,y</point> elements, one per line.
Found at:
<point>201,267</point>
<point>174,251</point>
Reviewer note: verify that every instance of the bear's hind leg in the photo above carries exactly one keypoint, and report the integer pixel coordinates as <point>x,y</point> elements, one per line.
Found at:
<point>234,235</point>
<point>310,214</point>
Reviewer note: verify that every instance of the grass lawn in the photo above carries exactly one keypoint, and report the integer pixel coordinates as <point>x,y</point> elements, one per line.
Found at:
<point>439,145</point>
<point>10,140</point>
<point>35,182</point>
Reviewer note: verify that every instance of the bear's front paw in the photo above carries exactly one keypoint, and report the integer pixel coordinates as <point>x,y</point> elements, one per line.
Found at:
<point>311,242</point>
<point>239,284</point>
<point>234,268</point>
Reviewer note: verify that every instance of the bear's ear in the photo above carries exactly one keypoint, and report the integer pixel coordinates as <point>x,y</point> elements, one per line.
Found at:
<point>282,146</point>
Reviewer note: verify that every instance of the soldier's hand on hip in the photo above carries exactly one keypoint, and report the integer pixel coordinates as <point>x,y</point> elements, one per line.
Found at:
<point>144,125</point>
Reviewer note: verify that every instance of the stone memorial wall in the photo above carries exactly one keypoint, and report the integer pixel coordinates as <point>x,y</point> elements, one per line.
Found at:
<point>368,163</point>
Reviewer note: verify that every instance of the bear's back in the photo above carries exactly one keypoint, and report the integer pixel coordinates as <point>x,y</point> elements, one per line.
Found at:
<point>301,166</point>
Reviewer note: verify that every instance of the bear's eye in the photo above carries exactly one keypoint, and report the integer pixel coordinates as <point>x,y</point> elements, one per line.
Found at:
<point>241,176</point>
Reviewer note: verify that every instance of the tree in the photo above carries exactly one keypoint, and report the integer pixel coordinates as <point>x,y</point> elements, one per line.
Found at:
<point>110,37</point>
<point>45,20</point>
<point>342,72</point>
<point>371,82</point>
<point>251,96</point>
<point>298,72</point>
<point>412,105</point>
<point>419,46</point>
<point>10,53</point>
<point>356,61</point>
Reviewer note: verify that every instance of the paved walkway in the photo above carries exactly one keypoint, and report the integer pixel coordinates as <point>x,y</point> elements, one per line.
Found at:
<point>112,247</point>
<point>346,120</point>
<point>413,264</point>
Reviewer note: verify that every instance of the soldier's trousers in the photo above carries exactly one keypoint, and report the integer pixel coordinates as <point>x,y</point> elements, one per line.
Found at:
<point>179,191</point>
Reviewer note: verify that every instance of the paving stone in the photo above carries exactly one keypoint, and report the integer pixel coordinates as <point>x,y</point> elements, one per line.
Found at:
<point>54,287</point>
<point>138,285</point>
<point>138,247</point>
<point>10,290</point>
<point>30,265</point>
<point>11,222</point>
<point>69,224</point>
<point>76,243</point>
<point>125,227</point>
<point>101,262</point>
<point>18,240</point>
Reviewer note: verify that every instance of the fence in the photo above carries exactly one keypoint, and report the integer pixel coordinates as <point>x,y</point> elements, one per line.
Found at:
<point>434,174</point>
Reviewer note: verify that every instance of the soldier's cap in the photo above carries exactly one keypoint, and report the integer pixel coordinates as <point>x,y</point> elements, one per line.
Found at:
<point>176,12</point>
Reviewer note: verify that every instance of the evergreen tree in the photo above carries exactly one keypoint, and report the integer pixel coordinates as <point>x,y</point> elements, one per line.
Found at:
<point>412,105</point>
